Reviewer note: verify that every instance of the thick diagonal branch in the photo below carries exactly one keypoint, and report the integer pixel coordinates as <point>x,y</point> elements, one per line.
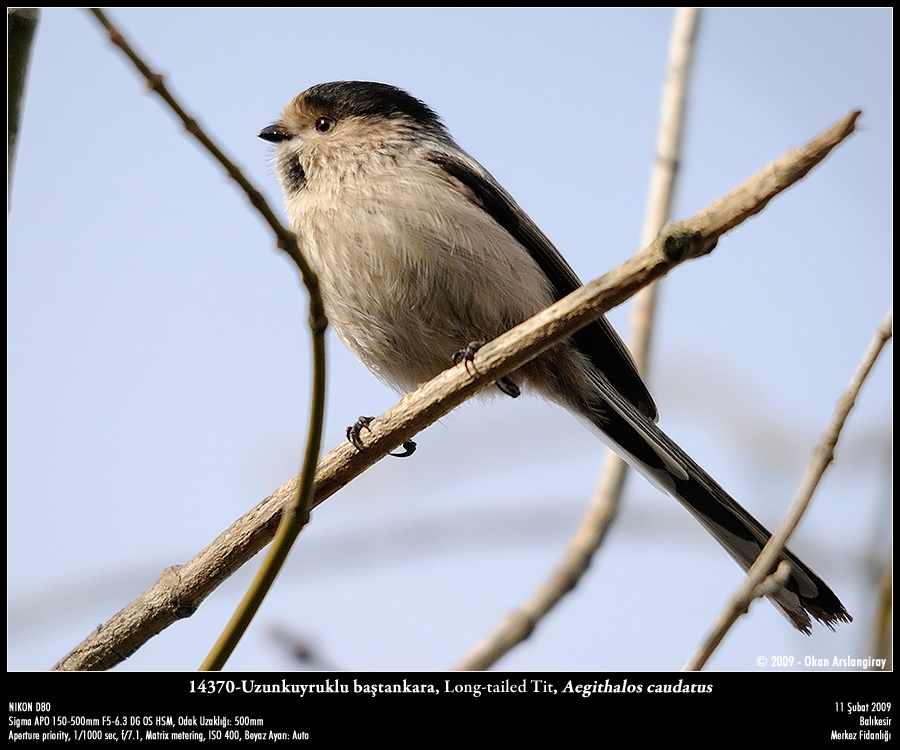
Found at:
<point>181,590</point>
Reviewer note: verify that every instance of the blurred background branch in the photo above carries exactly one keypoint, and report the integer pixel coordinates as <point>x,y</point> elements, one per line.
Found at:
<point>604,505</point>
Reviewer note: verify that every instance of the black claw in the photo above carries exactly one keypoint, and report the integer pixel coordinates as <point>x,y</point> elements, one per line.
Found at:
<point>508,386</point>
<point>409,447</point>
<point>354,431</point>
<point>467,353</point>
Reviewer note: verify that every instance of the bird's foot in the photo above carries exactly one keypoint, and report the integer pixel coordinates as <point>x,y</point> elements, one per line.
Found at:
<point>355,430</point>
<point>408,448</point>
<point>508,386</point>
<point>467,354</point>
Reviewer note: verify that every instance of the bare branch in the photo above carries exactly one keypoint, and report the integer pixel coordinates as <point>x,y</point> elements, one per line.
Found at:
<point>604,505</point>
<point>181,590</point>
<point>298,509</point>
<point>822,457</point>
<point>884,618</point>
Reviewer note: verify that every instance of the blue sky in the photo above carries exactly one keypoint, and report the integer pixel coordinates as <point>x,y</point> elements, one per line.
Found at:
<point>158,363</point>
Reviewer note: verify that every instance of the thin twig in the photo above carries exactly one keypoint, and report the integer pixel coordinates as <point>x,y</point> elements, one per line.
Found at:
<point>21,25</point>
<point>661,194</point>
<point>604,505</point>
<point>883,642</point>
<point>297,515</point>
<point>182,589</point>
<point>823,455</point>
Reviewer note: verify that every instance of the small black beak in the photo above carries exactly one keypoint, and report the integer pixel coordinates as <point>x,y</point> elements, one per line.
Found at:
<point>275,134</point>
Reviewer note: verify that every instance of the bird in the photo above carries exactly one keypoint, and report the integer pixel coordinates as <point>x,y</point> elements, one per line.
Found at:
<point>422,256</point>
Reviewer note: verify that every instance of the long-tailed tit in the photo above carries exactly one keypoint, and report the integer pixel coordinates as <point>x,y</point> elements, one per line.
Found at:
<point>421,254</point>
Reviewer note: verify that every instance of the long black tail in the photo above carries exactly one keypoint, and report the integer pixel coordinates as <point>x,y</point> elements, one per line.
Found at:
<point>652,452</point>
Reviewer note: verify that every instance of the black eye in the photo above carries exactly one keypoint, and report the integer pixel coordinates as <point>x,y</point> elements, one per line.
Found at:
<point>324,124</point>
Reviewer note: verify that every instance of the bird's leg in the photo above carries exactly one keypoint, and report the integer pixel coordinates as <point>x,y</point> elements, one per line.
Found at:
<point>467,354</point>
<point>354,431</point>
<point>353,435</point>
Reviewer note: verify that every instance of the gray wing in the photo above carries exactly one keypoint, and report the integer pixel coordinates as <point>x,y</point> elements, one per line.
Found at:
<point>598,341</point>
